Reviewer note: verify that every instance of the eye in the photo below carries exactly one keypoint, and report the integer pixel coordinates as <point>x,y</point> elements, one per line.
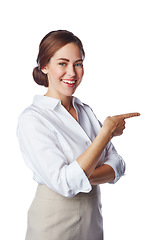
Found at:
<point>62,64</point>
<point>79,65</point>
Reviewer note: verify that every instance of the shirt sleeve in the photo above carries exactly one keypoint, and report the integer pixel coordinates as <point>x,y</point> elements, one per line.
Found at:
<point>43,155</point>
<point>113,159</point>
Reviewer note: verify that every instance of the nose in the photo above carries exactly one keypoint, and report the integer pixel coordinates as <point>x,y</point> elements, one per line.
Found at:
<point>71,71</point>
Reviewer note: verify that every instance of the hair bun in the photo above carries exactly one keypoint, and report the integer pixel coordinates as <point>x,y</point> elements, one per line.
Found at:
<point>39,77</point>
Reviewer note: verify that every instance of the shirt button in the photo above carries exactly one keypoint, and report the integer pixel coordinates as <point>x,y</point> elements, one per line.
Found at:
<point>88,142</point>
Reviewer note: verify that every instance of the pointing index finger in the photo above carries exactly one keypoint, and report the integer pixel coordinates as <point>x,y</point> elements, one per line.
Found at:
<point>130,115</point>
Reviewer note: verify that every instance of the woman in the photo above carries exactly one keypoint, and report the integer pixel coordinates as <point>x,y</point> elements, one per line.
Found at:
<point>66,147</point>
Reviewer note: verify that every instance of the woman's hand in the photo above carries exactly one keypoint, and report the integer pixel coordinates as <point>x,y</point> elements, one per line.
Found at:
<point>116,124</point>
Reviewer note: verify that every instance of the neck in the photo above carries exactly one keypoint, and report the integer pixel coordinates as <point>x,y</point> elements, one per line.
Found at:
<point>66,101</point>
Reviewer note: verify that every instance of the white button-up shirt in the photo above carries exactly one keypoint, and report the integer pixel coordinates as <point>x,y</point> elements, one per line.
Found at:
<point>51,140</point>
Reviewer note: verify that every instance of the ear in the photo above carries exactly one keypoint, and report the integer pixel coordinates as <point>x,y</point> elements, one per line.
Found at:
<point>44,69</point>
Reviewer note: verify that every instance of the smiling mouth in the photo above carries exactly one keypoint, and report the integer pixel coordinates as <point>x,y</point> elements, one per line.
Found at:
<point>69,81</point>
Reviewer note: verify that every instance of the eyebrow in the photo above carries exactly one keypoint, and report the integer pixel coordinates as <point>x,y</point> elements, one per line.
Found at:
<point>67,60</point>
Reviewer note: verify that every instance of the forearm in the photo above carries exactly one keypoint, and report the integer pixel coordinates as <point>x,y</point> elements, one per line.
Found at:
<point>102,174</point>
<point>88,160</point>
<point>112,126</point>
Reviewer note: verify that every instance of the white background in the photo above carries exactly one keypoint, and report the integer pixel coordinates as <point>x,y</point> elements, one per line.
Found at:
<point>122,72</point>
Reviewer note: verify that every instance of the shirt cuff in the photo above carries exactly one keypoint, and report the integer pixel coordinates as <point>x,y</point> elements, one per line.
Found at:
<point>77,179</point>
<point>118,165</point>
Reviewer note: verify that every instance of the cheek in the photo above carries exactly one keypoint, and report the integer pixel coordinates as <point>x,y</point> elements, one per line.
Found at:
<point>79,76</point>
<point>80,73</point>
<point>56,73</point>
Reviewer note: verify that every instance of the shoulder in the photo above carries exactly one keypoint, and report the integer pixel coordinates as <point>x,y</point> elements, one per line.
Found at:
<point>30,111</point>
<point>29,119</point>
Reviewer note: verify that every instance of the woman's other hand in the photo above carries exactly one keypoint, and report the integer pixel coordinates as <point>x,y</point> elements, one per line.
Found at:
<point>116,124</point>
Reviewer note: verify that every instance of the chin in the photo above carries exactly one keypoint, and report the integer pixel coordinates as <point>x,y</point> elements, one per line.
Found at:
<point>69,93</point>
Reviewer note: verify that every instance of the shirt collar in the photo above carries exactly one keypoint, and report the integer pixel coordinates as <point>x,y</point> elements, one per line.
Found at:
<point>76,100</point>
<point>51,103</point>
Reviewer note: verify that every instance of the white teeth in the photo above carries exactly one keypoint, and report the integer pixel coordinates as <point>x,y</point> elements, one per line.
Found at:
<point>67,81</point>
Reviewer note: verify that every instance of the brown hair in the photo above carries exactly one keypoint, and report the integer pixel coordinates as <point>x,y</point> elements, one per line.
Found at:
<point>49,45</point>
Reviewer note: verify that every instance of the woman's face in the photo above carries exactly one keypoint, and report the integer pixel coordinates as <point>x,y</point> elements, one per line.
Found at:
<point>64,71</point>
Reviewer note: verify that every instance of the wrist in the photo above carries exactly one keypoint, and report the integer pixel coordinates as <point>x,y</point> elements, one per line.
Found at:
<point>108,129</point>
<point>106,133</point>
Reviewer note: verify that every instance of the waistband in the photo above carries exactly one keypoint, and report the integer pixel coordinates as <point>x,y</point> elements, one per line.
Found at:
<point>45,192</point>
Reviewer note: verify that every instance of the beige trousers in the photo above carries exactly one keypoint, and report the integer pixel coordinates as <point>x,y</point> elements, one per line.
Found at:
<point>54,217</point>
